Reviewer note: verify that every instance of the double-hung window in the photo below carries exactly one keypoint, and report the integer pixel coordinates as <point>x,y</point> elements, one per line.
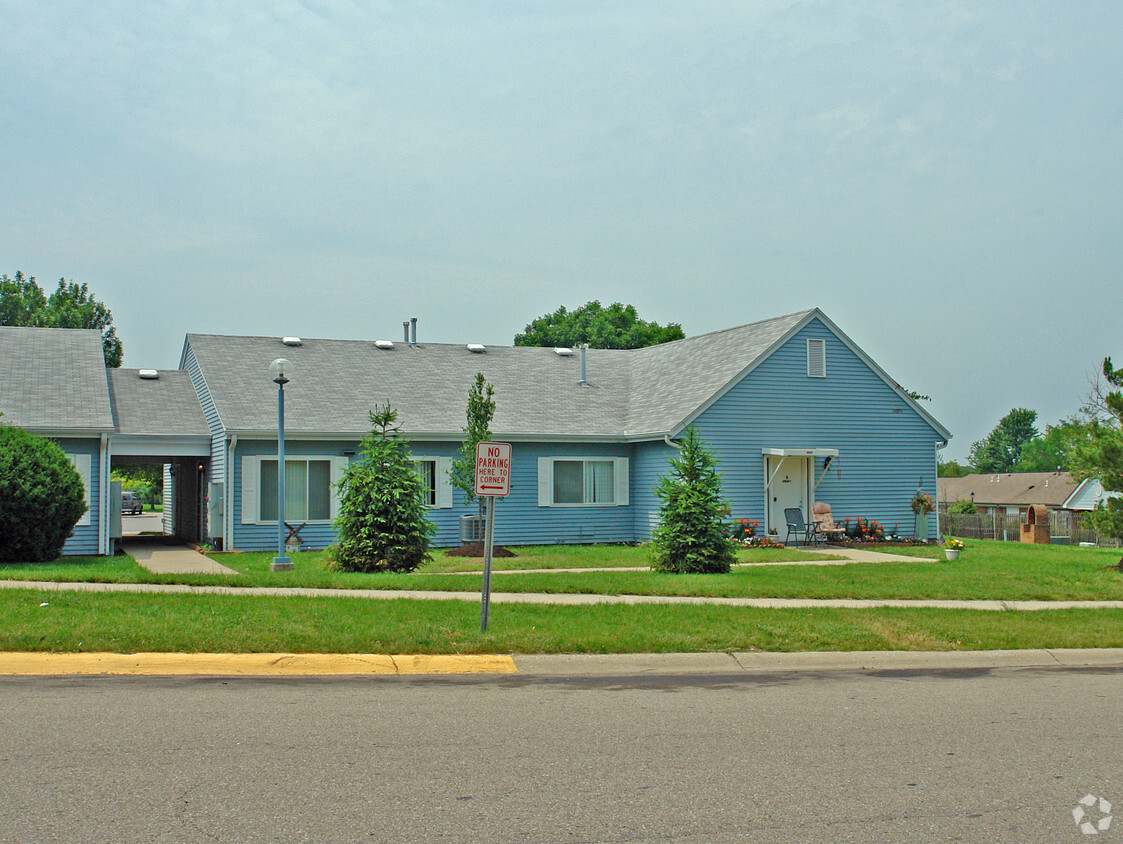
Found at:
<point>310,493</point>
<point>435,484</point>
<point>582,481</point>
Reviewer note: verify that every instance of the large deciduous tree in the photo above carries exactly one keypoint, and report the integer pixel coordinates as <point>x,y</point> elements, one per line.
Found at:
<point>23,302</point>
<point>1000,451</point>
<point>616,327</point>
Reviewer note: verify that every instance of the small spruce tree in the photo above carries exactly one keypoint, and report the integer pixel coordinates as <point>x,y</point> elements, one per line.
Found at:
<point>691,536</point>
<point>382,524</point>
<point>480,410</point>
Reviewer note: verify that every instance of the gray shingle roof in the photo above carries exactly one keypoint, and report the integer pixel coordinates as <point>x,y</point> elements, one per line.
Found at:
<point>1009,489</point>
<point>53,380</point>
<point>335,383</point>
<point>164,406</point>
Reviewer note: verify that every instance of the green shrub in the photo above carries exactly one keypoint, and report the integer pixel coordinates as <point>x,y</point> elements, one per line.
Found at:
<point>963,505</point>
<point>692,536</point>
<point>382,524</point>
<point>41,497</point>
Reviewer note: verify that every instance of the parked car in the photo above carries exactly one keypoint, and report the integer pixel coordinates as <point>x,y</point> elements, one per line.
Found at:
<point>131,504</point>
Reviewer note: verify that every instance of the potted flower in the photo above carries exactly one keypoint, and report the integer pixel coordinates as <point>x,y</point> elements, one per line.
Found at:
<point>922,504</point>
<point>952,547</point>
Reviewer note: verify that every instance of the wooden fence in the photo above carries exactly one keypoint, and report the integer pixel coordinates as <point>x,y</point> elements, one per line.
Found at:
<point>1064,527</point>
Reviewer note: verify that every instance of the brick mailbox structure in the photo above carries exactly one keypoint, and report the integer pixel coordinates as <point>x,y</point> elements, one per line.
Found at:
<point>1036,527</point>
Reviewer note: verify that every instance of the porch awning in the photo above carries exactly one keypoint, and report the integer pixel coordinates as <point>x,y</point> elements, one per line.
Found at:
<point>800,452</point>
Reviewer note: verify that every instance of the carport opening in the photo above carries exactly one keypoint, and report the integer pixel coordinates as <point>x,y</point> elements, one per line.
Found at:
<point>168,493</point>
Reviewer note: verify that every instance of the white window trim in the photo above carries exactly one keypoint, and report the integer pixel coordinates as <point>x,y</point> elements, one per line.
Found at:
<point>251,479</point>
<point>816,358</point>
<point>442,468</point>
<point>546,480</point>
<point>83,464</point>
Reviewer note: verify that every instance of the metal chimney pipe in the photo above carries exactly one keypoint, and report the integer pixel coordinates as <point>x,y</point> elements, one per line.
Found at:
<point>405,331</point>
<point>584,380</point>
<point>413,329</point>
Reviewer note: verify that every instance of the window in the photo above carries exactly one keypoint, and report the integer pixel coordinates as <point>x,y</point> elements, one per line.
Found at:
<point>816,358</point>
<point>582,481</point>
<point>309,488</point>
<point>83,463</point>
<point>434,479</point>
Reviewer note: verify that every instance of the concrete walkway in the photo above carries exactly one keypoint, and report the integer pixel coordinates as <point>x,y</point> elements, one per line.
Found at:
<point>578,599</point>
<point>160,557</point>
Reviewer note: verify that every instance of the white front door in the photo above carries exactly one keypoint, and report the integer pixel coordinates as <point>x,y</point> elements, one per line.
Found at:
<point>788,488</point>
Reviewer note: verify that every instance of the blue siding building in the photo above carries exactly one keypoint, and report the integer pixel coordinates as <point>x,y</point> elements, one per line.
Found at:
<point>793,410</point>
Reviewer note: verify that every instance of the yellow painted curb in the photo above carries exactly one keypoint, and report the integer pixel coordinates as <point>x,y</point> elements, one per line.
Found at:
<point>250,665</point>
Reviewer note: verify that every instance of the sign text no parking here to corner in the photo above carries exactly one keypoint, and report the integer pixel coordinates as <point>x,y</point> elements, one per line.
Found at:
<point>493,468</point>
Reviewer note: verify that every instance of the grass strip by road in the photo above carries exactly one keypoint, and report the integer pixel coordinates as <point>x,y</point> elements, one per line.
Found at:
<point>124,623</point>
<point>996,571</point>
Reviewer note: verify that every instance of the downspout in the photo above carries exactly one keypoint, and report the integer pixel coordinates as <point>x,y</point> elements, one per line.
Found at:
<point>103,503</point>
<point>667,439</point>
<point>940,445</point>
<point>228,492</point>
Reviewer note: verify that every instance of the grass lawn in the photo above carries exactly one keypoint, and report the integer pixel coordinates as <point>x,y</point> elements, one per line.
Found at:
<point>985,571</point>
<point>204,623</point>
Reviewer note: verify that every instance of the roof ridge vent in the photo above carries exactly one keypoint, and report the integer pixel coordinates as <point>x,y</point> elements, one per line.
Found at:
<point>292,341</point>
<point>477,348</point>
<point>148,374</point>
<point>384,344</point>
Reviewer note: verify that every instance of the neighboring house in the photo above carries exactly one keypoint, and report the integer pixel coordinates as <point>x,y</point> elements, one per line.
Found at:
<point>1008,493</point>
<point>54,382</point>
<point>1087,496</point>
<point>793,410</point>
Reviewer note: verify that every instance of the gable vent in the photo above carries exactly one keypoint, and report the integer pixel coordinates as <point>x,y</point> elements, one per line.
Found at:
<point>816,358</point>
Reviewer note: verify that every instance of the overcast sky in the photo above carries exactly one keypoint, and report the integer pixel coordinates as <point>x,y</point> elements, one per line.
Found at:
<point>943,180</point>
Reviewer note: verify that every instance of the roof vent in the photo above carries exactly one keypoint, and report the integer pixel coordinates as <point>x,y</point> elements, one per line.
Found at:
<point>149,374</point>
<point>477,348</point>
<point>292,341</point>
<point>384,344</point>
<point>563,353</point>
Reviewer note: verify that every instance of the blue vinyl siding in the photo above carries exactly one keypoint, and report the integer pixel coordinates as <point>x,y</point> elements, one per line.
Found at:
<point>885,447</point>
<point>650,462</point>
<point>216,468</point>
<point>83,541</point>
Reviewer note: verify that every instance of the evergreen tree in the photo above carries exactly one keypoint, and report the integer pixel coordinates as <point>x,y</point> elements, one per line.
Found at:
<point>692,535</point>
<point>1100,453</point>
<point>382,523</point>
<point>480,410</point>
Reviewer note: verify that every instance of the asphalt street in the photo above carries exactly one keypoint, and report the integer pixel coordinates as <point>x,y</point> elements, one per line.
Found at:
<point>923,754</point>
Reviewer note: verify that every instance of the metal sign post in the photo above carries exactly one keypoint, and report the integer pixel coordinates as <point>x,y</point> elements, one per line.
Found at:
<point>493,478</point>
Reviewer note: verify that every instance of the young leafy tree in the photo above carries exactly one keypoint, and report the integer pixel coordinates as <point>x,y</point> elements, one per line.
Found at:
<point>480,411</point>
<point>41,497</point>
<point>616,327</point>
<point>691,537</point>
<point>1000,451</point>
<point>22,302</point>
<point>382,524</point>
<point>1052,451</point>
<point>1100,453</point>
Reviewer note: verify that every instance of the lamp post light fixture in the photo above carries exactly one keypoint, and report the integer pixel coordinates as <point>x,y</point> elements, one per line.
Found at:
<point>279,371</point>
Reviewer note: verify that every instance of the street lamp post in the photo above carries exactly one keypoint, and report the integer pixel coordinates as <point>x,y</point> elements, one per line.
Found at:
<point>279,371</point>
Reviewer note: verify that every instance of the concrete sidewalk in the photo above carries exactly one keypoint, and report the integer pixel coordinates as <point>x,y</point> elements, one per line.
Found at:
<point>160,557</point>
<point>577,599</point>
